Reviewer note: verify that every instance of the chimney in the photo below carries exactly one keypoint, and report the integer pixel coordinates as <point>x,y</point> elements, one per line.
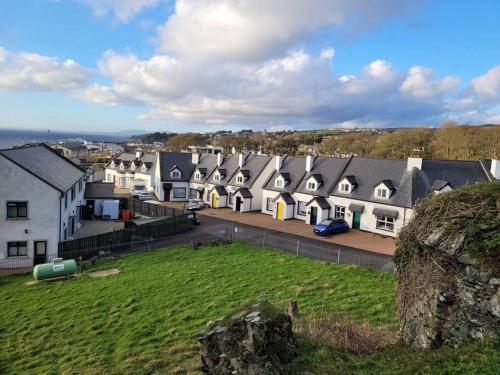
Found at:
<point>195,158</point>
<point>241,160</point>
<point>138,153</point>
<point>309,163</point>
<point>414,163</point>
<point>279,162</point>
<point>495,168</point>
<point>219,159</point>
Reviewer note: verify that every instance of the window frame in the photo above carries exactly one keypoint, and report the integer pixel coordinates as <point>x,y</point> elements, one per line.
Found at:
<point>17,246</point>
<point>345,185</point>
<point>383,190</point>
<point>17,207</point>
<point>197,175</point>
<point>73,193</point>
<point>175,174</point>
<point>385,223</point>
<point>339,212</point>
<point>193,193</point>
<point>269,201</point>
<point>174,189</point>
<point>279,183</point>
<point>65,201</point>
<point>312,185</point>
<point>301,212</point>
<point>239,179</point>
<point>217,177</point>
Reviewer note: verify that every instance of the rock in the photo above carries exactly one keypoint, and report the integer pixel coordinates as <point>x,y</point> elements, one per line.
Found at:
<point>466,259</point>
<point>256,341</point>
<point>455,246</point>
<point>434,238</point>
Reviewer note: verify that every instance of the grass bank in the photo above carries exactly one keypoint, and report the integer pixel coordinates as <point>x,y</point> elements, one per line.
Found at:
<point>144,319</point>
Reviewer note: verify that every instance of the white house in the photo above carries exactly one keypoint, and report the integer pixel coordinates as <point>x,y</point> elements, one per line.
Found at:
<point>277,199</point>
<point>173,173</point>
<point>245,187</point>
<point>204,165</point>
<point>216,195</point>
<point>126,168</point>
<point>41,193</point>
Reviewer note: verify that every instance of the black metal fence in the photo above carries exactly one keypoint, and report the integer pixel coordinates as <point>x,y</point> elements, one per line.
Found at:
<point>135,235</point>
<point>150,209</point>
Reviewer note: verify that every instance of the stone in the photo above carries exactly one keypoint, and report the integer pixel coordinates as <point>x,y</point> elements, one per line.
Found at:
<point>434,238</point>
<point>455,246</point>
<point>466,259</point>
<point>256,341</point>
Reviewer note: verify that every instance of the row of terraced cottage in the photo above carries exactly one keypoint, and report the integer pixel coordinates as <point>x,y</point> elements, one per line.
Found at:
<point>375,195</point>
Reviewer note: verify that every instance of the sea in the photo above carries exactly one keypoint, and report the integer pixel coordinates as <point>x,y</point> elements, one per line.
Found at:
<point>11,137</point>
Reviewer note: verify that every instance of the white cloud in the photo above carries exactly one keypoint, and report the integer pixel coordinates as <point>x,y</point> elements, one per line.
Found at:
<point>31,71</point>
<point>488,84</point>
<point>123,10</point>
<point>327,53</point>
<point>98,94</point>
<point>229,30</point>
<point>421,83</point>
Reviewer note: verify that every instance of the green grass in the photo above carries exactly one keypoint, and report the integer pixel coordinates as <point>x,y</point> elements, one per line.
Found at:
<point>144,320</point>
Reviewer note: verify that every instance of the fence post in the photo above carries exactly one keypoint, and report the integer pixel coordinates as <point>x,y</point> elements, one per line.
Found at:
<point>298,244</point>
<point>338,256</point>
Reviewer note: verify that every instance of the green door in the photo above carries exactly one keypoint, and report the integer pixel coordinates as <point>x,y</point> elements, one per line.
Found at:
<point>356,222</point>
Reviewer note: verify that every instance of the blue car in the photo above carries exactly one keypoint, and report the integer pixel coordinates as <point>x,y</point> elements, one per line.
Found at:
<point>331,226</point>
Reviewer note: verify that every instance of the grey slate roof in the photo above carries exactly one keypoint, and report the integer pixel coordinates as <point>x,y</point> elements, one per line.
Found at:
<point>221,190</point>
<point>230,165</point>
<point>244,192</point>
<point>127,158</point>
<point>456,172</point>
<point>73,146</point>
<point>321,201</point>
<point>439,184</point>
<point>207,164</point>
<point>181,160</point>
<point>326,171</point>
<point>46,164</point>
<point>253,167</point>
<point>99,190</point>
<point>369,172</point>
<point>292,167</point>
<point>286,197</point>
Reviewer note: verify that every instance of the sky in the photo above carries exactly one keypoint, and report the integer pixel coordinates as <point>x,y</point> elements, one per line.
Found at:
<point>206,65</point>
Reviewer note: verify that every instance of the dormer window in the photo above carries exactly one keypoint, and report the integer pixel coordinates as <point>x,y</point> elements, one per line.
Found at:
<point>311,185</point>
<point>197,175</point>
<point>345,188</point>
<point>216,177</point>
<point>122,167</point>
<point>382,193</point>
<point>175,174</point>
<point>239,179</point>
<point>113,164</point>
<point>279,183</point>
<point>132,167</point>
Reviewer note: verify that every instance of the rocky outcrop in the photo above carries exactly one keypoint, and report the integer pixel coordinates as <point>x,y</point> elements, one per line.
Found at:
<point>256,341</point>
<point>468,307</point>
<point>448,269</point>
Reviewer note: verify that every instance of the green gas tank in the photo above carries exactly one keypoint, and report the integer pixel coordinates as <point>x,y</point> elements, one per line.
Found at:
<point>57,268</point>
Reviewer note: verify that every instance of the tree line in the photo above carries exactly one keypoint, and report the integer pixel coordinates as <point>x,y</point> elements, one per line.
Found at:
<point>450,141</point>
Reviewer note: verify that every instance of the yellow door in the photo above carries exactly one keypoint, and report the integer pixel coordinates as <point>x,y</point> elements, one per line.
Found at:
<point>214,201</point>
<point>279,214</point>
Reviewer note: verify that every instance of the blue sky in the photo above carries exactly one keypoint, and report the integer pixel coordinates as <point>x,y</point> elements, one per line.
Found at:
<point>190,65</point>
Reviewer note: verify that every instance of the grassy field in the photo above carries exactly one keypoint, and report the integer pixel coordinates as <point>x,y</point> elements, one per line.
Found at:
<point>144,319</point>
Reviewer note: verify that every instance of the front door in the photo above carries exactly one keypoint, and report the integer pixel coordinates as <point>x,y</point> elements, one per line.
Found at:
<point>40,255</point>
<point>314,215</point>
<point>356,221</point>
<point>214,200</point>
<point>167,195</point>
<point>279,214</point>
<point>238,204</point>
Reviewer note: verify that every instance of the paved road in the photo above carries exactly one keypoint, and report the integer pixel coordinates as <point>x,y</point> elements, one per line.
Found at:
<point>214,228</point>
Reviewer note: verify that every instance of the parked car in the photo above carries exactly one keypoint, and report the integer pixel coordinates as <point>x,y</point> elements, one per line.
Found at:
<point>195,205</point>
<point>144,196</point>
<point>136,189</point>
<point>331,226</point>
<point>152,202</point>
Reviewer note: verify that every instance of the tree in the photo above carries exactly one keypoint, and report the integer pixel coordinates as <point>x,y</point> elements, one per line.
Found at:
<point>181,142</point>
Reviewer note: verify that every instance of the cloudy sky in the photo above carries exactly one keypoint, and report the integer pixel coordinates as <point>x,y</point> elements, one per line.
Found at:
<point>200,65</point>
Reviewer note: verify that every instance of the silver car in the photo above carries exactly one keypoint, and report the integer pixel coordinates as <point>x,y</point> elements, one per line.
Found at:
<point>195,205</point>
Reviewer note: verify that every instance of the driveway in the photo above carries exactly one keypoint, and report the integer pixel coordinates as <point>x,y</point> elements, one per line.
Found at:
<point>354,238</point>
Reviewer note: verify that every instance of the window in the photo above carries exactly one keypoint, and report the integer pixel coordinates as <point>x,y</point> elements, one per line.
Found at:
<point>72,194</point>
<point>40,247</point>
<point>175,174</point>
<point>80,185</point>
<point>381,193</point>
<point>17,249</point>
<point>66,201</point>
<point>385,223</point>
<point>311,185</point>
<point>301,208</point>
<point>269,204</point>
<point>17,210</point>
<point>193,193</point>
<point>197,176</point>
<point>278,183</point>
<point>239,179</point>
<point>217,177</point>
<point>122,167</point>
<point>230,198</point>
<point>344,188</point>
<point>339,212</point>
<point>179,192</point>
